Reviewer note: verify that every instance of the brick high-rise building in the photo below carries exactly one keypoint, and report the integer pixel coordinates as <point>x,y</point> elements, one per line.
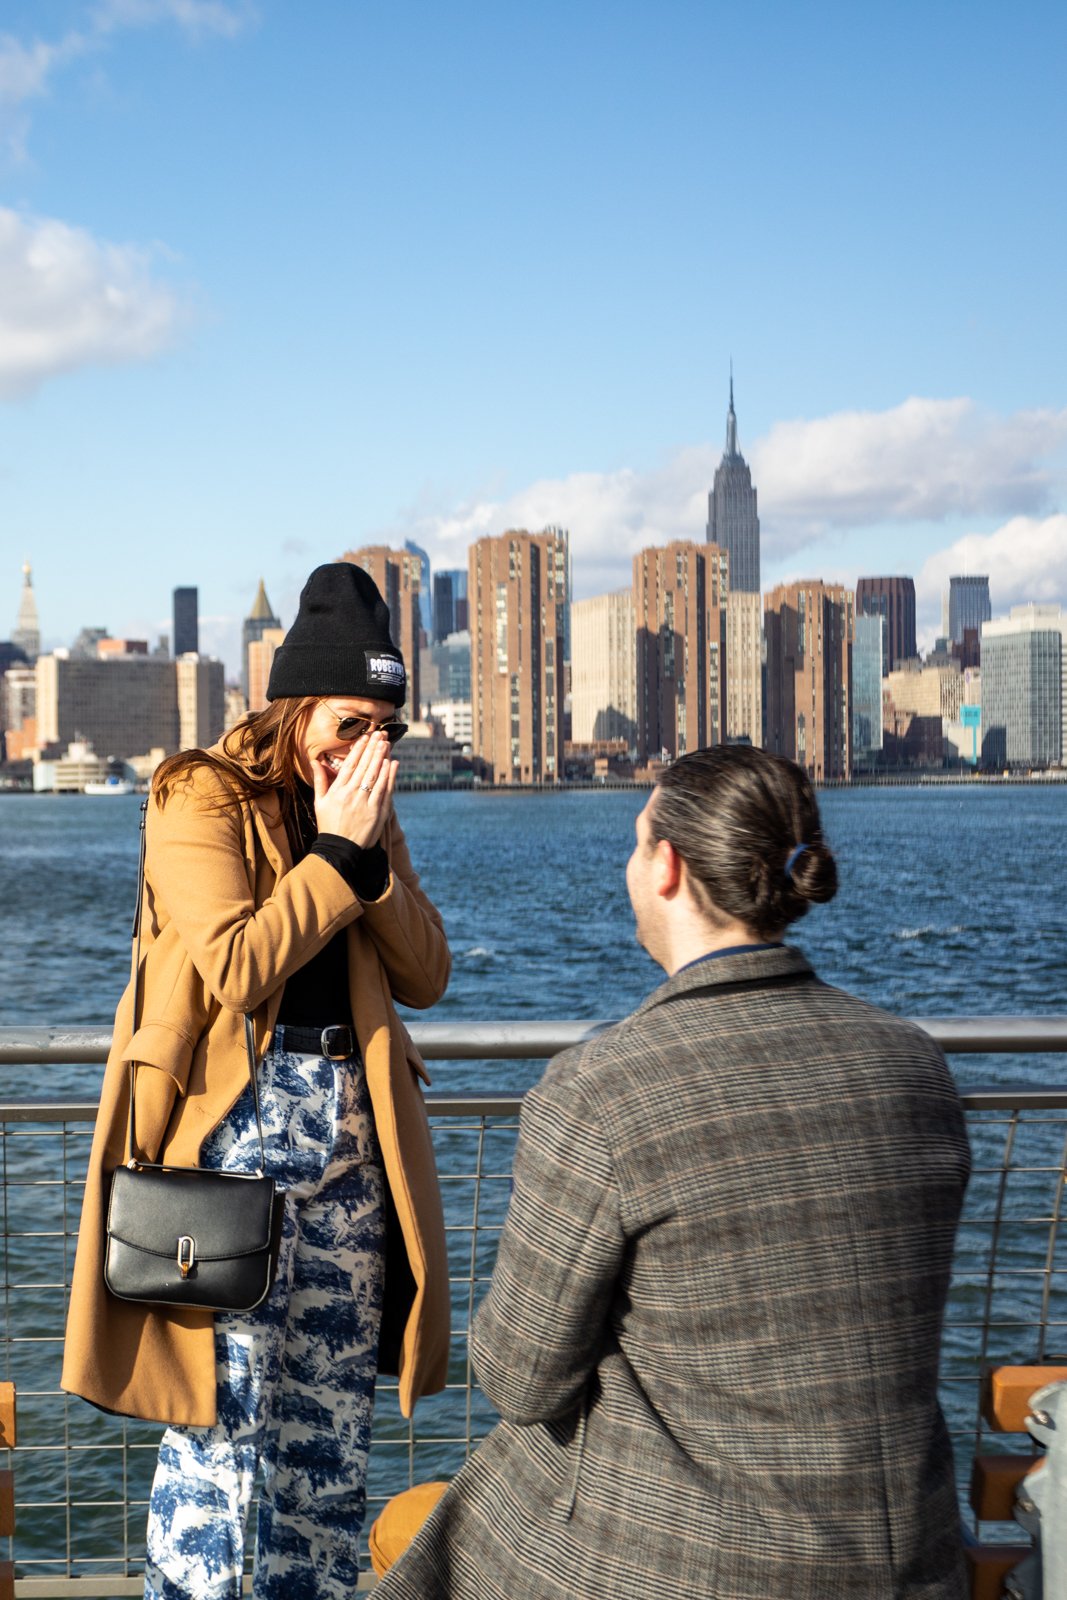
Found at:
<point>808,627</point>
<point>398,575</point>
<point>893,599</point>
<point>680,618</point>
<point>517,592</point>
<point>733,525</point>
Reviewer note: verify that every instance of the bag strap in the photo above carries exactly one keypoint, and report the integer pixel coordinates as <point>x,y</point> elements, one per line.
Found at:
<point>135,979</point>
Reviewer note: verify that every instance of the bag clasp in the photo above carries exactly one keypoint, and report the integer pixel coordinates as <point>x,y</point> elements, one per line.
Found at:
<point>186,1254</point>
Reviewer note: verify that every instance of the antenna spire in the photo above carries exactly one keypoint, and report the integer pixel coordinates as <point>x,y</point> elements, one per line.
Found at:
<point>731,419</point>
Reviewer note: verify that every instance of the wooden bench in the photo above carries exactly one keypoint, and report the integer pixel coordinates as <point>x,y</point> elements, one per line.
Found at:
<point>7,1486</point>
<point>995,1478</point>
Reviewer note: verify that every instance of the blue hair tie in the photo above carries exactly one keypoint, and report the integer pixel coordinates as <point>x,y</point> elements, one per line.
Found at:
<point>792,858</point>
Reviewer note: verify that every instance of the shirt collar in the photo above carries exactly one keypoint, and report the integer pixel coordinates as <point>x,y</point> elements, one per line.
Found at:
<point>746,965</point>
<point>731,950</point>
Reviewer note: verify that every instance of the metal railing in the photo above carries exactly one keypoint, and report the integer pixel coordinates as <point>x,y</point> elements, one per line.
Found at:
<point>82,1477</point>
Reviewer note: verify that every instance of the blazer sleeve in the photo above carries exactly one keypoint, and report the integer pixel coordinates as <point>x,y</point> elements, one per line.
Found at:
<point>407,930</point>
<point>198,869</point>
<point>541,1328</point>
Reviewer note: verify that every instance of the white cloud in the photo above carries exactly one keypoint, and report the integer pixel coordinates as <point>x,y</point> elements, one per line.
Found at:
<point>1026,559</point>
<point>197,18</point>
<point>26,68</point>
<point>24,73</point>
<point>610,515</point>
<point>919,462</point>
<point>68,300</point>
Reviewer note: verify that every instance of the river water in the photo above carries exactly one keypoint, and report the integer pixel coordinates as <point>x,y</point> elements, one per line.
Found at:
<point>951,902</point>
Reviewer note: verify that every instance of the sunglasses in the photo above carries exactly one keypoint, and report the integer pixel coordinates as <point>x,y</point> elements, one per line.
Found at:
<point>356,727</point>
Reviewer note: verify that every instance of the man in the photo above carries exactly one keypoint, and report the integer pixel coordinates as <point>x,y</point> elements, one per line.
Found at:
<point>714,1325</point>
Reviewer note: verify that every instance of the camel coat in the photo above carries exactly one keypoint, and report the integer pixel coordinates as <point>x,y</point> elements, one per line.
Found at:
<point>227,918</point>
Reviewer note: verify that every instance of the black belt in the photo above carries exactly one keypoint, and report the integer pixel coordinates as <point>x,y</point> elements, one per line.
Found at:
<point>335,1044</point>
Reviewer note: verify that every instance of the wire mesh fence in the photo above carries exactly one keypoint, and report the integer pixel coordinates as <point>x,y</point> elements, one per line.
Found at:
<point>82,1477</point>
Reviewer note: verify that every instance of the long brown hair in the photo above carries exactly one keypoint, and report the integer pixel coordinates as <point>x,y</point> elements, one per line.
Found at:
<point>257,757</point>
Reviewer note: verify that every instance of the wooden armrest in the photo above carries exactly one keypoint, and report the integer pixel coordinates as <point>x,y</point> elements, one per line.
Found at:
<point>994,1480</point>
<point>1006,1400</point>
<point>989,1565</point>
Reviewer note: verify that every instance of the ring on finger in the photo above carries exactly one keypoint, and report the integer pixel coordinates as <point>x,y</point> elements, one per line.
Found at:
<point>366,787</point>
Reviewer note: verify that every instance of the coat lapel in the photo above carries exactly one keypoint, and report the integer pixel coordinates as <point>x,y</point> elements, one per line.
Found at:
<point>273,837</point>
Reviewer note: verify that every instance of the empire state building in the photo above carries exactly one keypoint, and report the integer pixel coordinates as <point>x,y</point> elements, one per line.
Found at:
<point>733,524</point>
<point>732,520</point>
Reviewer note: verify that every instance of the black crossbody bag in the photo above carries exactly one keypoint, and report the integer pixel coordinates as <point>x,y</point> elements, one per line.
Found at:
<point>187,1236</point>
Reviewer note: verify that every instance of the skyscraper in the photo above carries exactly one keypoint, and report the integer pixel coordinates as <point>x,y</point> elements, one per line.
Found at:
<point>1024,687</point>
<point>968,605</point>
<point>186,630</point>
<point>868,651</point>
<point>680,622</point>
<point>518,621</point>
<point>201,691</point>
<point>425,588</point>
<point>893,599</point>
<point>733,522</point>
<point>27,634</point>
<point>449,603</point>
<point>733,525</point>
<point>398,575</point>
<point>258,620</point>
<point>261,653</point>
<point>809,676</point>
<point>603,704</point>
<point>124,706</point>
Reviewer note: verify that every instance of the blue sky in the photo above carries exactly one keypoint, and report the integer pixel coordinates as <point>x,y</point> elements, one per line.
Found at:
<point>280,279</point>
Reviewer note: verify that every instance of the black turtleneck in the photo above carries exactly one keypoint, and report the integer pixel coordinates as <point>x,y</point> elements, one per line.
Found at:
<point>316,996</point>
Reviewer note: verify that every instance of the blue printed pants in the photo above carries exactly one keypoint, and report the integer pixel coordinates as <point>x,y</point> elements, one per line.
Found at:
<point>295,1376</point>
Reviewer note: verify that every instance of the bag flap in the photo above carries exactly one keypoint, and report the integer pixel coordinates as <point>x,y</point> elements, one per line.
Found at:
<point>224,1213</point>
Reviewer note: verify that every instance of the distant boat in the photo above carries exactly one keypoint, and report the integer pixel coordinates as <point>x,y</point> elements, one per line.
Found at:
<point>110,786</point>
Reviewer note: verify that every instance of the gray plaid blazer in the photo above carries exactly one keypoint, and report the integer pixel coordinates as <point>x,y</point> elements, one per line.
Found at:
<point>714,1325</point>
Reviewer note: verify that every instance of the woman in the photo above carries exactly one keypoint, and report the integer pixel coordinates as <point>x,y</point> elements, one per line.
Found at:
<point>713,1328</point>
<point>278,884</point>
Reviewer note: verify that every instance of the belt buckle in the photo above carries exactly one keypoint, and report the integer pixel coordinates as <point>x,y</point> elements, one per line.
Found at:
<point>336,1042</point>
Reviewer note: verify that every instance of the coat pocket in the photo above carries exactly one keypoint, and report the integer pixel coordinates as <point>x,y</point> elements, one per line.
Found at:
<point>415,1061</point>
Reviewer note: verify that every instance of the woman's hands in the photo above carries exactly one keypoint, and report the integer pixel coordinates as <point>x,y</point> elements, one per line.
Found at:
<point>356,802</point>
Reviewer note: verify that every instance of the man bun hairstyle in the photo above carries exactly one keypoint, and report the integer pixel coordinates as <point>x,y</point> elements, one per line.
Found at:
<point>747,826</point>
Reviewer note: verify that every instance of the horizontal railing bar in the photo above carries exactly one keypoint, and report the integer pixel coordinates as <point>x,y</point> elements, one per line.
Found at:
<point>533,1041</point>
<point>999,1097</point>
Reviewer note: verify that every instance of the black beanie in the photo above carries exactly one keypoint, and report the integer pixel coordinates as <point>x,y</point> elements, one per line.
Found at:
<point>339,643</point>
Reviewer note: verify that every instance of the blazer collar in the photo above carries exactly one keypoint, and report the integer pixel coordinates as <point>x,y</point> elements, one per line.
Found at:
<point>757,966</point>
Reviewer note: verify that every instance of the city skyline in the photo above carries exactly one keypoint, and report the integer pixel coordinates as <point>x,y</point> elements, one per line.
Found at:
<point>277,285</point>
